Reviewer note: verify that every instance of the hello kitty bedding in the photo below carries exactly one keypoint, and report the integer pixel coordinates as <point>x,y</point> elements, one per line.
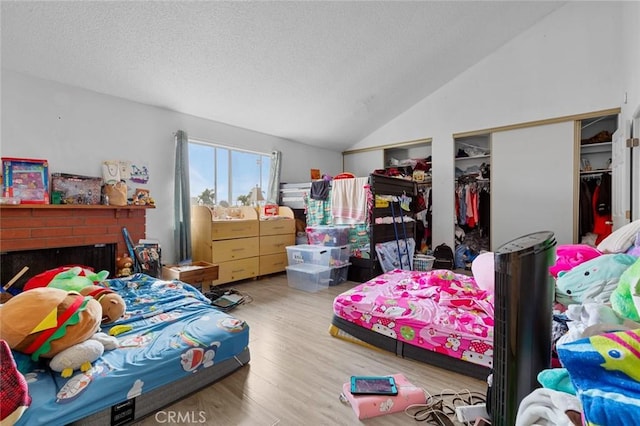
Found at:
<point>438,311</point>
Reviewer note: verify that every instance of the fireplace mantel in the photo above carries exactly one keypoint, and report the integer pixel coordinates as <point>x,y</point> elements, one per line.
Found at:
<point>37,226</point>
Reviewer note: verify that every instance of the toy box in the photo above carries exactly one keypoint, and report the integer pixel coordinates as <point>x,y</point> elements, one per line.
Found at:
<point>26,179</point>
<point>76,189</point>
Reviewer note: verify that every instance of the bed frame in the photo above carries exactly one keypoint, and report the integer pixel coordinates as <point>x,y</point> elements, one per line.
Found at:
<point>406,350</point>
<point>147,404</point>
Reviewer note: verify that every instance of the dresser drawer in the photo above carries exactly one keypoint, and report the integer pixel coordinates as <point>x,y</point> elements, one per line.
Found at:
<point>272,263</point>
<point>272,244</point>
<point>226,229</point>
<point>239,248</point>
<point>277,226</point>
<point>237,270</point>
<point>195,273</point>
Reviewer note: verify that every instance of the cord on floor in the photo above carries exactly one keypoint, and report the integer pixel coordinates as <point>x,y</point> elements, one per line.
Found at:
<point>440,409</point>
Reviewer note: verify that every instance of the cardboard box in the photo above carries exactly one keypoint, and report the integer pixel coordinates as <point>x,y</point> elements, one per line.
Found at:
<point>195,273</point>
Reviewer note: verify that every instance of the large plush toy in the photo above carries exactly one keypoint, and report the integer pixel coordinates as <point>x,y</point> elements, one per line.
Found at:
<point>593,280</point>
<point>570,255</point>
<point>43,322</point>
<point>626,297</point>
<point>82,275</point>
<point>113,305</point>
<point>82,280</point>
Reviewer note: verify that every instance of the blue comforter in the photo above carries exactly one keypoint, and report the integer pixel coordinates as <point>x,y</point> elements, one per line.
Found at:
<point>175,332</point>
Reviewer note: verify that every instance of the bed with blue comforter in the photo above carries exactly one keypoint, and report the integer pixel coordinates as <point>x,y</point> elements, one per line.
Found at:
<point>177,343</point>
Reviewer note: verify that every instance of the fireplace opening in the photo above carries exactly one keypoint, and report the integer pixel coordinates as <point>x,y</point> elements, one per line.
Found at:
<point>99,257</point>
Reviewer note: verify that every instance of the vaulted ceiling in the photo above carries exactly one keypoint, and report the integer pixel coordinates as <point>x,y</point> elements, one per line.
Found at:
<point>318,72</point>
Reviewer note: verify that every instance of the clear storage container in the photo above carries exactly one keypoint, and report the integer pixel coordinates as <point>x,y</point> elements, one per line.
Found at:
<point>318,255</point>
<point>326,235</point>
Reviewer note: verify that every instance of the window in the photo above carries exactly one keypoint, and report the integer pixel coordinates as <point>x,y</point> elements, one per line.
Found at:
<point>220,175</point>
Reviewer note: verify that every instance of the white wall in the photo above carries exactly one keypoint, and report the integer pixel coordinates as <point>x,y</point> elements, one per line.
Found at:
<point>76,129</point>
<point>571,62</point>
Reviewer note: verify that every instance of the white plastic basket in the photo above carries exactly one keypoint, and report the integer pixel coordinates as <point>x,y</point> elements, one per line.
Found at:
<point>423,262</point>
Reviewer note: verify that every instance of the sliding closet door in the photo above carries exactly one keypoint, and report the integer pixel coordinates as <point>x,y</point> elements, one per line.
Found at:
<point>363,163</point>
<point>532,182</point>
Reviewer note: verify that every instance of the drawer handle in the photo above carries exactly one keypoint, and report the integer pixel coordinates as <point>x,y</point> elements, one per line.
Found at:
<point>235,271</point>
<point>238,249</point>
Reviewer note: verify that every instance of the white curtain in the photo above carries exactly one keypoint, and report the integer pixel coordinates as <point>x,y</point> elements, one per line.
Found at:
<point>182,202</point>
<point>273,193</point>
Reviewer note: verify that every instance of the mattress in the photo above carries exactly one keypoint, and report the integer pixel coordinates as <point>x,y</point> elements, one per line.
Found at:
<point>437,310</point>
<point>175,336</point>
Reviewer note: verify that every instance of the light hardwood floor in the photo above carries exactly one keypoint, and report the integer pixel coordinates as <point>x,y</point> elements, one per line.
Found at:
<point>297,368</point>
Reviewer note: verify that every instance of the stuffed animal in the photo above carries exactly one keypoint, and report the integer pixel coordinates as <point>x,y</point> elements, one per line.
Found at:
<point>626,293</point>
<point>593,280</point>
<point>43,279</point>
<point>113,305</point>
<point>570,255</point>
<point>82,281</point>
<point>124,266</point>
<point>55,324</point>
<point>44,321</point>
<point>81,355</point>
<point>75,279</point>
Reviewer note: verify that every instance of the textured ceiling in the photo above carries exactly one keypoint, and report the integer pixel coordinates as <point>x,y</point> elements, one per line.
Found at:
<point>322,73</point>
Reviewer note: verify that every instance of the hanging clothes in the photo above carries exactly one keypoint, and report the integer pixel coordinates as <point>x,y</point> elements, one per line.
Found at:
<point>484,210</point>
<point>601,221</point>
<point>585,217</point>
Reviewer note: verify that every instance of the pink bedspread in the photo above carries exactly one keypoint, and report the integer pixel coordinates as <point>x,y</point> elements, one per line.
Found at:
<point>437,310</point>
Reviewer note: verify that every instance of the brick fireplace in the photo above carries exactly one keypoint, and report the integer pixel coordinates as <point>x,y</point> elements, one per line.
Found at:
<point>34,227</point>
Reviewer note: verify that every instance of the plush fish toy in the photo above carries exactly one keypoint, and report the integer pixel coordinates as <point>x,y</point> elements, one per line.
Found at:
<point>593,280</point>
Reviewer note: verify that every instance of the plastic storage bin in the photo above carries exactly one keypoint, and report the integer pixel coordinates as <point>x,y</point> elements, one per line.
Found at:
<point>308,277</point>
<point>318,255</point>
<point>326,235</point>
<point>339,274</point>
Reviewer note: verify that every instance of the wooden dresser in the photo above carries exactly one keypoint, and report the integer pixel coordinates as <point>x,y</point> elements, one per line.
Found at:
<point>232,244</point>
<point>244,246</point>
<point>275,236</point>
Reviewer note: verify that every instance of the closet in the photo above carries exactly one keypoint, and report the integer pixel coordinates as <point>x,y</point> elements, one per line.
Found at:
<point>472,197</point>
<point>536,170</point>
<point>595,205</point>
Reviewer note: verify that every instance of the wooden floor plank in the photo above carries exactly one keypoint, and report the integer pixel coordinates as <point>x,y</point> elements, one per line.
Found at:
<point>297,368</point>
